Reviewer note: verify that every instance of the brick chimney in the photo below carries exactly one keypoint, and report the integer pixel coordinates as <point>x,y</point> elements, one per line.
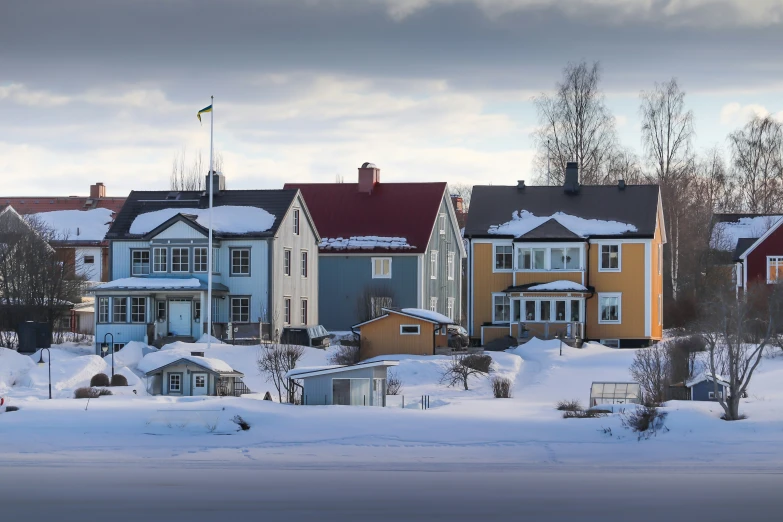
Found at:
<point>369,176</point>
<point>97,191</point>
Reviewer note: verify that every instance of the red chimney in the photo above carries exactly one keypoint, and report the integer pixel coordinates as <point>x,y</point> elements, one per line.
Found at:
<point>97,191</point>
<point>369,176</point>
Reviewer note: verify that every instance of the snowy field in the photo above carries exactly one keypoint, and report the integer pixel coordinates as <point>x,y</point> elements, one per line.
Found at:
<point>460,426</point>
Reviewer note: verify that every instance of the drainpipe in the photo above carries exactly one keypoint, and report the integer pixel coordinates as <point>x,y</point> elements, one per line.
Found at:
<point>587,284</point>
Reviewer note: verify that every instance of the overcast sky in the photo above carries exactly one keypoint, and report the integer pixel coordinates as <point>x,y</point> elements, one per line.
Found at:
<point>102,90</point>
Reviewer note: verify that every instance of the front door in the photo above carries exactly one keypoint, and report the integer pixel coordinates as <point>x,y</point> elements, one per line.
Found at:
<point>179,318</point>
<point>200,384</point>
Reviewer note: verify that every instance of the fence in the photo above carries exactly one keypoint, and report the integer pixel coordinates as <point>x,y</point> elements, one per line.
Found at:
<point>419,402</point>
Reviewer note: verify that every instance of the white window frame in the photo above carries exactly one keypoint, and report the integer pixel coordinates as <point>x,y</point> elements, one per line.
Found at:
<point>133,263</point>
<point>495,258</point>
<point>231,308</point>
<point>547,259</point>
<point>287,262</point>
<point>233,251</point>
<point>187,260</point>
<point>564,253</point>
<point>619,296</point>
<point>375,262</point>
<point>90,259</point>
<point>416,326</point>
<point>296,222</point>
<point>494,319</point>
<point>304,257</point>
<point>114,303</point>
<point>450,308</point>
<point>433,264</point>
<point>450,266</point>
<point>133,310</point>
<point>196,267</point>
<point>104,314</point>
<point>304,310</point>
<point>433,304</point>
<point>619,257</point>
<point>155,265</point>
<point>286,310</point>
<point>178,391</point>
<point>779,265</point>
<point>442,224</point>
<point>609,342</point>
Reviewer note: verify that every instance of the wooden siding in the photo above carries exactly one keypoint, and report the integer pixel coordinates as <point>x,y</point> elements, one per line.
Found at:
<point>441,287</point>
<point>382,337</point>
<point>630,282</point>
<point>485,282</point>
<point>490,333</point>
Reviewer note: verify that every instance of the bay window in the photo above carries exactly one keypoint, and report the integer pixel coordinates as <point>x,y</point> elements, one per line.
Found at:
<point>531,258</point>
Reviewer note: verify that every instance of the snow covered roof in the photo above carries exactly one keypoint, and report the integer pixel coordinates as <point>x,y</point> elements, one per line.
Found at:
<point>229,219</point>
<point>557,286</point>
<point>427,315</point>
<point>523,222</point>
<point>365,243</point>
<point>312,371</point>
<point>731,228</point>
<point>158,283</point>
<point>155,361</point>
<point>704,376</point>
<point>77,225</point>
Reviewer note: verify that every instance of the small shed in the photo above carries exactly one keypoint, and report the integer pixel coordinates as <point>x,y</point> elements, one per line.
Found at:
<point>190,375</point>
<point>702,387</point>
<point>615,393</point>
<point>410,331</point>
<point>362,384</point>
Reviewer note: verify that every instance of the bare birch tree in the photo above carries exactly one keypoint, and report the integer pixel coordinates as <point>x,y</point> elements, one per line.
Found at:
<point>191,176</point>
<point>275,361</point>
<point>757,157</point>
<point>575,125</point>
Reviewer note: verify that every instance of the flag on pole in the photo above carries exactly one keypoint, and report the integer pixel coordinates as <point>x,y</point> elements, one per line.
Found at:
<point>205,109</point>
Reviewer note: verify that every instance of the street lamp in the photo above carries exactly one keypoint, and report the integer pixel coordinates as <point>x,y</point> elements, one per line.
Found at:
<point>41,363</point>
<point>105,349</point>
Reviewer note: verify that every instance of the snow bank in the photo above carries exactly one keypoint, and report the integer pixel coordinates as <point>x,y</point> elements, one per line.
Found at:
<point>429,315</point>
<point>725,235</point>
<point>204,338</point>
<point>130,355</point>
<point>84,225</point>
<point>13,366</point>
<point>364,242</point>
<point>229,219</point>
<point>150,282</point>
<point>523,222</point>
<point>559,286</point>
<point>69,371</point>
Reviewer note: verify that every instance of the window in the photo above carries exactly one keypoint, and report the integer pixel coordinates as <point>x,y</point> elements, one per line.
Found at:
<point>180,259</point>
<point>140,262</point>
<point>89,260</point>
<point>138,309</point>
<point>377,304</point>
<point>201,381</point>
<point>609,308</point>
<point>531,258</point>
<point>117,347</point>
<point>610,343</point>
<point>287,310</point>
<point>304,311</point>
<point>120,309</point>
<point>240,262</point>
<point>442,224</point>
<point>216,309</point>
<point>560,310</point>
<point>576,315</point>
<point>713,396</point>
<point>215,260</point>
<point>175,383</point>
<point>450,266</point>
<point>410,329</point>
<point>351,392</point>
<point>433,304</point>
<point>240,309</point>
<point>546,310</point>
<point>161,311</point>
<point>103,309</point>
<point>381,267</point>
<point>304,263</point>
<point>504,257</point>
<point>610,258</point>
<point>530,310</point>
<point>450,308</point>
<point>196,311</point>
<point>501,308</point>
<point>434,264</point>
<point>565,259</point>
<point>200,255</point>
<point>160,259</point>
<point>296,221</point>
<point>774,269</point>
<point>286,262</point>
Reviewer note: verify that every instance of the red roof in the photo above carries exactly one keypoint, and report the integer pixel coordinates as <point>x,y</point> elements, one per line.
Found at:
<point>48,204</point>
<point>403,210</point>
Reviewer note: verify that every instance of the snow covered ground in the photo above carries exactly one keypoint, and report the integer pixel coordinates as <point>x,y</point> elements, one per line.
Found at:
<point>464,426</point>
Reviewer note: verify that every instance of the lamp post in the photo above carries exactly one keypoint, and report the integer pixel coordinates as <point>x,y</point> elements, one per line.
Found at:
<point>41,363</point>
<point>105,349</point>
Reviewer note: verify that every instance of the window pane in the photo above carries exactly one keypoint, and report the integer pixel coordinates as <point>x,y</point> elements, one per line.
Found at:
<point>138,309</point>
<point>546,310</point>
<point>360,392</point>
<point>560,310</point>
<point>609,308</point>
<point>504,257</point>
<point>572,261</point>
<point>180,261</point>
<point>575,315</point>
<point>120,309</point>
<point>240,261</point>
<point>538,258</point>
<point>530,310</point>
<point>200,259</point>
<point>160,263</point>
<point>502,308</point>
<point>524,259</point>
<point>341,392</point>
<point>556,259</point>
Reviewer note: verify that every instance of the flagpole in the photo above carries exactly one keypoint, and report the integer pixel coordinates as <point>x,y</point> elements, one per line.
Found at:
<point>209,240</point>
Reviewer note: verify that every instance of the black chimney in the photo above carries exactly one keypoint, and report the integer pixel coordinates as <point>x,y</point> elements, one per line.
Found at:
<point>521,184</point>
<point>621,184</point>
<point>571,183</point>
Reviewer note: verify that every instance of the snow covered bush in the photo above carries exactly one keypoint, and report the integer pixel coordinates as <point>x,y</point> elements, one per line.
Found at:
<point>345,355</point>
<point>393,383</point>
<point>119,380</point>
<point>584,414</point>
<point>572,405</point>
<point>460,368</point>
<point>501,387</point>
<point>647,421</point>
<point>100,379</point>
<point>90,393</point>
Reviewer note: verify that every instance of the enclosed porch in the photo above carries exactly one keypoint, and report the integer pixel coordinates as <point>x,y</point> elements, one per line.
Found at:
<point>548,311</point>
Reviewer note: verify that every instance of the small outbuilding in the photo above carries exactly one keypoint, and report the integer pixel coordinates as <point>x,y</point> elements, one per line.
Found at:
<point>362,384</point>
<point>700,388</point>
<point>410,331</point>
<point>190,375</point>
<point>615,393</point>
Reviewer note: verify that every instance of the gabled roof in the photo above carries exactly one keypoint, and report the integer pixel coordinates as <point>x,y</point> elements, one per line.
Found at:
<point>275,202</point>
<point>729,229</point>
<point>393,210</point>
<point>214,366</point>
<point>36,204</point>
<point>635,205</point>
<point>416,313</point>
<point>743,244</point>
<point>704,376</point>
<point>551,229</point>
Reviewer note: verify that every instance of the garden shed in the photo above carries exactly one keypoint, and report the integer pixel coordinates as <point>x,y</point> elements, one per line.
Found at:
<point>702,387</point>
<point>190,375</point>
<point>410,331</point>
<point>362,384</point>
<point>615,393</point>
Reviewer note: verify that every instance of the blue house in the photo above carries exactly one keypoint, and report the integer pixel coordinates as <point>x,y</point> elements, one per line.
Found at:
<point>385,245</point>
<point>702,387</point>
<point>264,266</point>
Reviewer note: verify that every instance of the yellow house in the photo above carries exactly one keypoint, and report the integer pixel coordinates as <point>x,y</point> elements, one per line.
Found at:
<point>410,331</point>
<point>583,261</point>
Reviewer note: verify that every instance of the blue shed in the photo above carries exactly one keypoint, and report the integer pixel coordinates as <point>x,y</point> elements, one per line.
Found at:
<point>702,387</point>
<point>362,384</point>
